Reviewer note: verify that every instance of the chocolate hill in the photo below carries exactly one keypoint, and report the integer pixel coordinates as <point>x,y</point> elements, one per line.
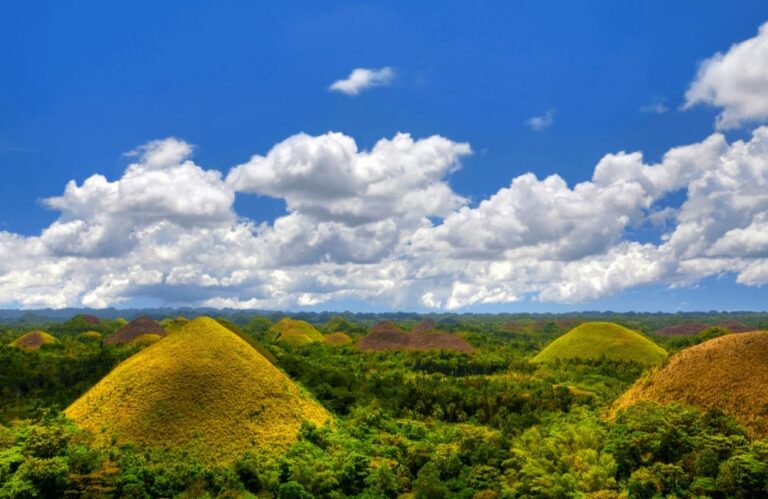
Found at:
<point>729,373</point>
<point>594,340</point>
<point>387,335</point>
<point>294,332</point>
<point>137,327</point>
<point>33,340</point>
<point>694,328</point>
<point>202,389</point>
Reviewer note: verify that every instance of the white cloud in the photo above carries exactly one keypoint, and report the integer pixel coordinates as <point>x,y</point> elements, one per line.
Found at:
<point>361,225</point>
<point>735,81</point>
<point>363,78</point>
<point>656,107</point>
<point>539,123</point>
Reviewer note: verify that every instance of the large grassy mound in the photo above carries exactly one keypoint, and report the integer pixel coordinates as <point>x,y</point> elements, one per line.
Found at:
<point>202,388</point>
<point>597,339</point>
<point>33,340</point>
<point>729,373</point>
<point>295,332</point>
<point>137,327</point>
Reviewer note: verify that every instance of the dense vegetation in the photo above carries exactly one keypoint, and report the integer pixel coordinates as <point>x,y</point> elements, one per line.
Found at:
<point>432,424</point>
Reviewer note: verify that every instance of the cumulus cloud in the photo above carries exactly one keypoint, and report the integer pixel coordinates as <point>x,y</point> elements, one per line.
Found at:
<point>384,225</point>
<point>363,78</point>
<point>735,81</point>
<point>539,123</point>
<point>372,234</point>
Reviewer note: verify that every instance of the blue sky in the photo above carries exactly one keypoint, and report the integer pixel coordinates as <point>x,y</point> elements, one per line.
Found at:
<point>83,83</point>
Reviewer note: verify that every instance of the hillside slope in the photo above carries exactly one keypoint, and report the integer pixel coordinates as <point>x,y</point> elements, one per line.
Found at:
<point>729,373</point>
<point>202,388</point>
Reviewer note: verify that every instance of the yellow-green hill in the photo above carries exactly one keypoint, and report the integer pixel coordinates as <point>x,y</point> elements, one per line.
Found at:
<point>33,340</point>
<point>593,340</point>
<point>295,332</point>
<point>729,373</point>
<point>201,388</point>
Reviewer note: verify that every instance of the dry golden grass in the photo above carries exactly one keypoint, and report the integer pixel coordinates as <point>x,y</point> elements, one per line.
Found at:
<point>597,339</point>
<point>338,339</point>
<point>295,333</point>
<point>33,340</point>
<point>90,335</point>
<point>201,388</point>
<point>729,373</point>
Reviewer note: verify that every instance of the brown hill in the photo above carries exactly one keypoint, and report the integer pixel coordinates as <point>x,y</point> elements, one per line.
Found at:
<point>729,373</point>
<point>91,319</point>
<point>735,326</point>
<point>137,327</point>
<point>387,335</point>
<point>33,340</point>
<point>439,341</point>
<point>424,326</point>
<point>687,329</point>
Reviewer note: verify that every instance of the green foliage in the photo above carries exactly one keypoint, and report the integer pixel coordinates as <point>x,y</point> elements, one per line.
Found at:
<point>416,424</point>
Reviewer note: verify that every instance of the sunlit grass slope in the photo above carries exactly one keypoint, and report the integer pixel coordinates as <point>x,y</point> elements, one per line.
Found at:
<point>202,388</point>
<point>171,325</point>
<point>597,339</point>
<point>33,340</point>
<point>295,332</point>
<point>729,373</point>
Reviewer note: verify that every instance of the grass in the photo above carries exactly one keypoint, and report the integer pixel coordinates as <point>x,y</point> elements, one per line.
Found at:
<point>295,333</point>
<point>33,340</point>
<point>203,389</point>
<point>729,373</point>
<point>594,340</point>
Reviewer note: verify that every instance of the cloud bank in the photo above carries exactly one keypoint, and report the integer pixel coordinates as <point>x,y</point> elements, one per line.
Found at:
<point>386,227</point>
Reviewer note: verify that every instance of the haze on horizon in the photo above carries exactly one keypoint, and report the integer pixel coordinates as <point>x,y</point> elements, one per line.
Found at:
<point>564,159</point>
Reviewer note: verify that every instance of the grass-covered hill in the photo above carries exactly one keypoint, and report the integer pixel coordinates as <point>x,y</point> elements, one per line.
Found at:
<point>295,332</point>
<point>387,335</point>
<point>594,340</point>
<point>33,340</point>
<point>202,388</point>
<point>134,329</point>
<point>729,373</point>
<point>338,339</point>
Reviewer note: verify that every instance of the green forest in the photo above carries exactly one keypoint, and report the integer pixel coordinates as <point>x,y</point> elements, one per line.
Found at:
<point>493,422</point>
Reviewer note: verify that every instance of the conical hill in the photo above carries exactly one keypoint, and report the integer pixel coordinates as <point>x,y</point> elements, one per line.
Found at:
<point>202,388</point>
<point>33,340</point>
<point>295,332</point>
<point>729,373</point>
<point>137,327</point>
<point>594,340</point>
